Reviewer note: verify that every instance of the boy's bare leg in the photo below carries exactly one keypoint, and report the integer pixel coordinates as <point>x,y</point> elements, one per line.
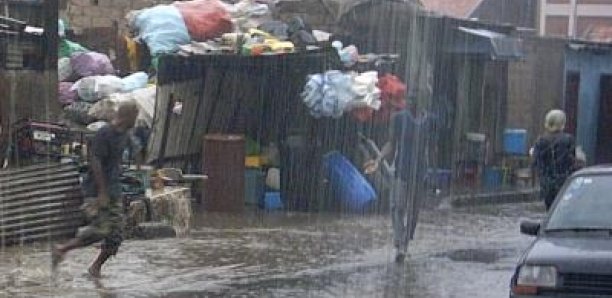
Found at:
<point>59,251</point>
<point>95,270</point>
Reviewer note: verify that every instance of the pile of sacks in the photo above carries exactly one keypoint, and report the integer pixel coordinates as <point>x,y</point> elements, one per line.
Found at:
<point>90,91</point>
<point>334,93</point>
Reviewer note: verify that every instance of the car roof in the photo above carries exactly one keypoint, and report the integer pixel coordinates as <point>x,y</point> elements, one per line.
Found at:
<point>595,170</point>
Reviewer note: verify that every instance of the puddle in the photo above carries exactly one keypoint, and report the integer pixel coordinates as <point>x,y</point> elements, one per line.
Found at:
<point>486,256</point>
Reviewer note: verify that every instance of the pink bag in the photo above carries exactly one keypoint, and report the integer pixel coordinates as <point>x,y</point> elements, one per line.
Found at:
<point>65,95</point>
<point>91,64</point>
<point>205,19</point>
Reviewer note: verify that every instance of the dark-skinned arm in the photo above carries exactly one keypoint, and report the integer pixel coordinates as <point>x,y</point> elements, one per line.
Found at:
<point>101,183</point>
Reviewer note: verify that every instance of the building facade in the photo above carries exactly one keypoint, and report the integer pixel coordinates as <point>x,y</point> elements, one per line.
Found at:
<point>577,19</point>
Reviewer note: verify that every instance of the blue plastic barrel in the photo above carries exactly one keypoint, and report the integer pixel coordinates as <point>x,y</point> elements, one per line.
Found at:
<point>493,178</point>
<point>254,186</point>
<point>348,184</point>
<point>272,201</point>
<point>515,141</point>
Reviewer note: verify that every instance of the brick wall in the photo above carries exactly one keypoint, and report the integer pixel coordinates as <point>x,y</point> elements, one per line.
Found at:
<point>87,14</point>
<point>100,24</point>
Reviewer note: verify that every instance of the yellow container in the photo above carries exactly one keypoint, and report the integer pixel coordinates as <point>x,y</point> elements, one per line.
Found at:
<point>254,161</point>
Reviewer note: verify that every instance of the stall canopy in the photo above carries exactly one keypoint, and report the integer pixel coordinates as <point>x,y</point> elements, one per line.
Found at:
<point>497,45</point>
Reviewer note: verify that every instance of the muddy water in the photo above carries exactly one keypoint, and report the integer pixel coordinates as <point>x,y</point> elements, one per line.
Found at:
<point>456,253</point>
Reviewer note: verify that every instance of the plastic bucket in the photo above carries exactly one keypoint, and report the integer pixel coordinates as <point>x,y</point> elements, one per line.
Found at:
<point>348,184</point>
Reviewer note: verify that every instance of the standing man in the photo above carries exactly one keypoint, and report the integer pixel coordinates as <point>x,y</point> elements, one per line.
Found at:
<point>407,146</point>
<point>554,156</point>
<point>103,185</point>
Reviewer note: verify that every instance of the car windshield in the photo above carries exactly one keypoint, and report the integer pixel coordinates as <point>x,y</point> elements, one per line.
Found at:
<point>585,205</point>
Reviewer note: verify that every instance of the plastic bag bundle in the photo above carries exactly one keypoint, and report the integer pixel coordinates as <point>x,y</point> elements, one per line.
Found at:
<point>393,99</point>
<point>79,112</point>
<point>205,19</point>
<point>91,64</point>
<point>135,81</point>
<point>162,28</point>
<point>250,13</point>
<point>145,99</point>
<point>276,28</point>
<point>97,125</point>
<point>365,90</point>
<point>67,95</point>
<point>64,70</point>
<point>328,94</point>
<point>92,89</point>
<point>68,48</point>
<point>103,110</point>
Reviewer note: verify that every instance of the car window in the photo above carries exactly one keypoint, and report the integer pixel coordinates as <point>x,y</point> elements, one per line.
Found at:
<point>586,203</point>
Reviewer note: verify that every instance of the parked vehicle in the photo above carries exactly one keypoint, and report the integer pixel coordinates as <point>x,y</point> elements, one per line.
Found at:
<point>572,254</point>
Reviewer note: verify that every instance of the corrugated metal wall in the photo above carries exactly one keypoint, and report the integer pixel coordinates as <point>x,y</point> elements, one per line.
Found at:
<point>39,203</point>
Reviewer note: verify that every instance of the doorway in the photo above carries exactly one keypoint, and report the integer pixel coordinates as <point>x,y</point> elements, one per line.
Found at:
<point>571,101</point>
<point>603,153</point>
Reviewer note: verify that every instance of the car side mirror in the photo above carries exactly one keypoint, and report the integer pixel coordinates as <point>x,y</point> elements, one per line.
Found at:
<point>530,228</point>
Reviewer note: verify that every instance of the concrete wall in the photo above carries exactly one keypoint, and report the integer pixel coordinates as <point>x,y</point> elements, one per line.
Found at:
<point>591,64</point>
<point>536,84</point>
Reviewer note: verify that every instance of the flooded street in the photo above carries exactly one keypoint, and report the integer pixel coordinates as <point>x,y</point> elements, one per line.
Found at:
<point>467,252</point>
<point>473,108</point>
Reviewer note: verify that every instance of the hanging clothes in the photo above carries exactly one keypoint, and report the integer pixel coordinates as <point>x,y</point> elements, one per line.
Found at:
<point>333,93</point>
<point>393,99</point>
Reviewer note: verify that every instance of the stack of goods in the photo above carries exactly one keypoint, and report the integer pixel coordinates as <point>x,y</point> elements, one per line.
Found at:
<point>90,91</point>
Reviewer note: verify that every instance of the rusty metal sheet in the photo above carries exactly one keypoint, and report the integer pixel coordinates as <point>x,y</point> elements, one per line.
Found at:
<point>39,203</point>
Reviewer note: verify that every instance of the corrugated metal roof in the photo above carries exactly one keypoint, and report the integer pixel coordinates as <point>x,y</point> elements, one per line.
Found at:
<point>39,203</point>
<point>497,45</point>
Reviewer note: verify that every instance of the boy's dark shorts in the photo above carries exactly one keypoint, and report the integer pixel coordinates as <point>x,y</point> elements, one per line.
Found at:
<point>105,226</point>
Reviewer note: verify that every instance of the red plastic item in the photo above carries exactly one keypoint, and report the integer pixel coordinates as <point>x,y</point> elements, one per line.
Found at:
<point>393,96</point>
<point>205,19</point>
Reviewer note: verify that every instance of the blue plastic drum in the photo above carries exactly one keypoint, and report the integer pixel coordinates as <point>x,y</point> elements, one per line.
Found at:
<point>348,184</point>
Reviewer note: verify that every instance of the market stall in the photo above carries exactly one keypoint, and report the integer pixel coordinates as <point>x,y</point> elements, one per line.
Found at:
<point>296,101</point>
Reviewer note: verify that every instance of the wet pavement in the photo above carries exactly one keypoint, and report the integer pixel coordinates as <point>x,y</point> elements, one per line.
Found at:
<point>467,252</point>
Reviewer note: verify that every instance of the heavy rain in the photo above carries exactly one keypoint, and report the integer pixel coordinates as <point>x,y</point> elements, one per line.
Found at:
<point>305,148</point>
